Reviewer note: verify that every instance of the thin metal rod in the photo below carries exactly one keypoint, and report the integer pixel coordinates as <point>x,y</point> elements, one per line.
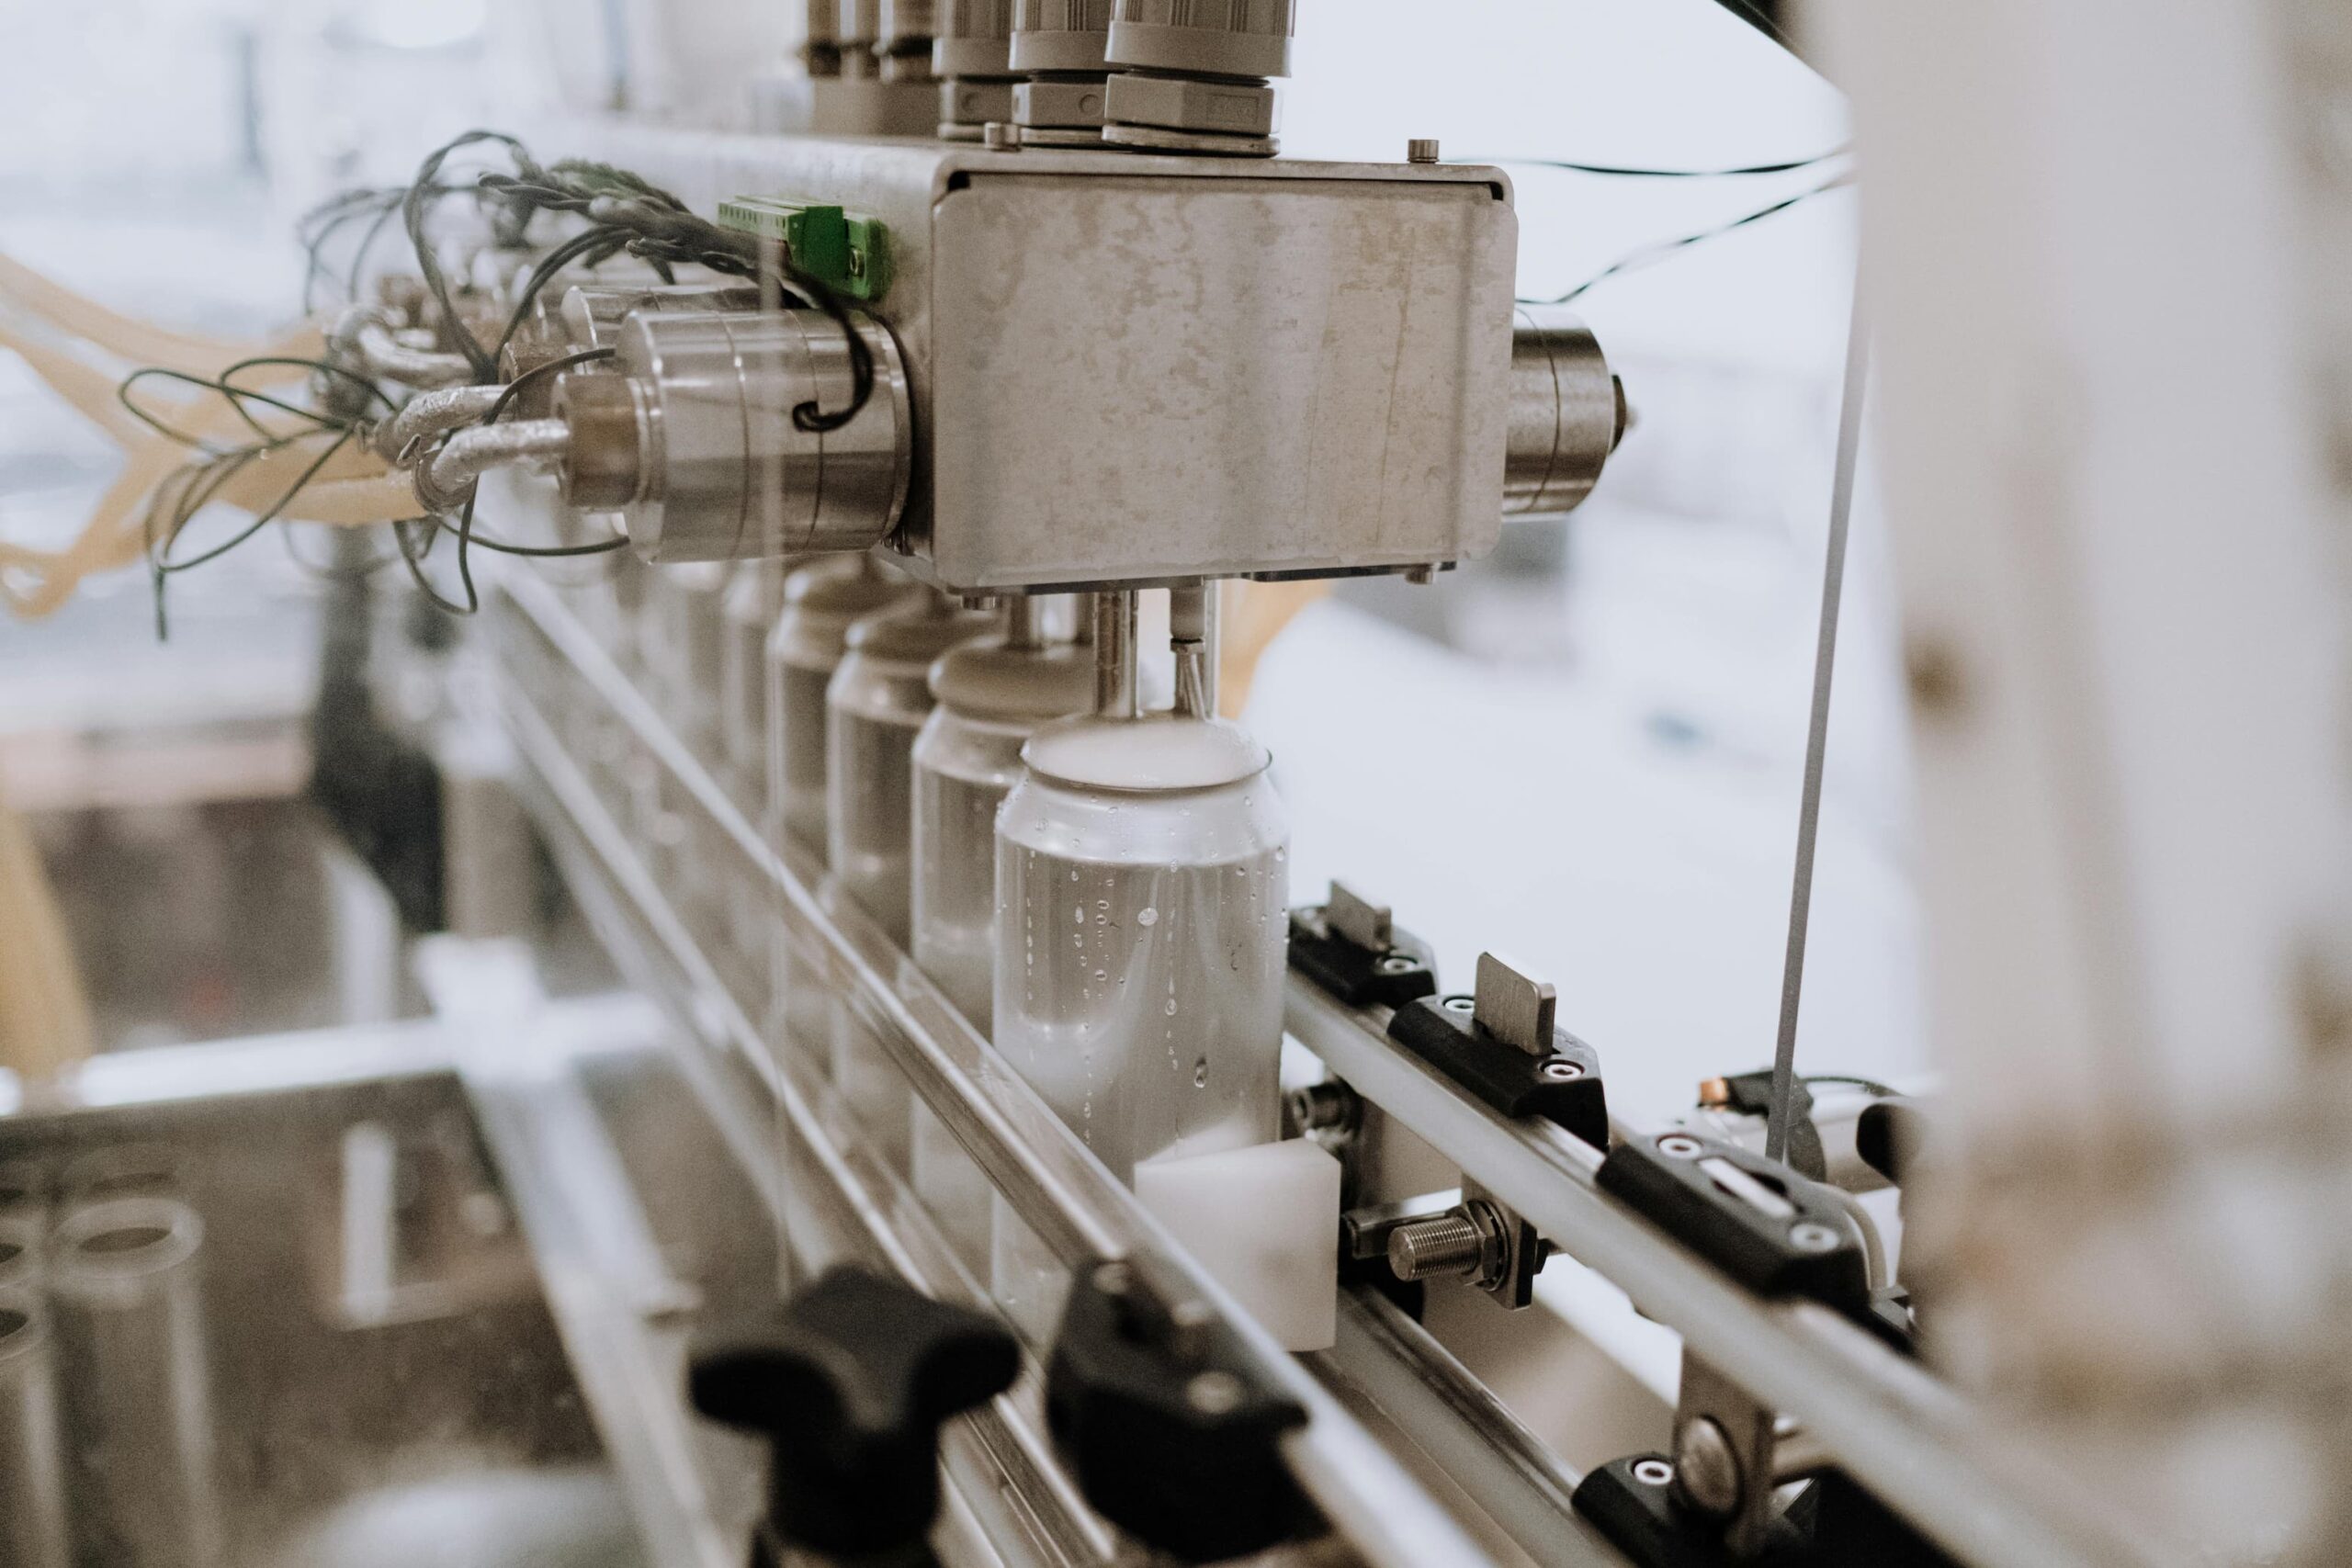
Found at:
<point>1115,687</point>
<point>1817,741</point>
<point>1193,635</point>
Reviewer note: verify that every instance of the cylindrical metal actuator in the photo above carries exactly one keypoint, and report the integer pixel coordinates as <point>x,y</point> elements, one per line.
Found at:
<point>822,601</point>
<point>1142,901</point>
<point>590,315</point>
<point>972,57</point>
<point>132,1357</point>
<point>991,695</point>
<point>902,47</point>
<point>700,444</point>
<point>1059,47</point>
<point>1194,76</point>
<point>877,704</point>
<point>1567,412</point>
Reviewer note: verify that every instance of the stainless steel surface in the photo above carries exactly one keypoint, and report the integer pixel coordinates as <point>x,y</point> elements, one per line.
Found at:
<point>723,469</point>
<point>975,40</point>
<point>465,457</point>
<point>1464,1430</point>
<point>32,1477</point>
<point>1141,891</point>
<point>1911,1440</point>
<point>1450,1243</point>
<point>1237,39</point>
<point>1513,1007</point>
<point>1061,36</point>
<point>1359,313</point>
<point>1193,635</point>
<point>1118,678</point>
<point>1566,413</point>
<point>1061,1193</point>
<point>140,1426</point>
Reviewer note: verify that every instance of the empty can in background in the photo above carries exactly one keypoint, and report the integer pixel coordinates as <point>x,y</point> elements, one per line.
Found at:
<point>822,601</point>
<point>990,696</point>
<point>32,1478</point>
<point>755,601</point>
<point>127,1311</point>
<point>877,704</point>
<point>1141,896</point>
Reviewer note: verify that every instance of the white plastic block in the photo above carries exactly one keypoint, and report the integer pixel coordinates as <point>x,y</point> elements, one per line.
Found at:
<point>1264,1222</point>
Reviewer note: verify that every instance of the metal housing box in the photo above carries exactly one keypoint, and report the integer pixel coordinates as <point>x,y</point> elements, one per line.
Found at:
<point>1133,369</point>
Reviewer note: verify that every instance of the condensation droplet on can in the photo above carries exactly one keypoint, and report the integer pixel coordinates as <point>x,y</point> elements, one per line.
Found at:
<point>1147,915</point>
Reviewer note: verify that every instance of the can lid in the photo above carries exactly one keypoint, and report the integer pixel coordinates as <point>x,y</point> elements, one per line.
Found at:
<point>1157,752</point>
<point>822,598</point>
<point>987,679</point>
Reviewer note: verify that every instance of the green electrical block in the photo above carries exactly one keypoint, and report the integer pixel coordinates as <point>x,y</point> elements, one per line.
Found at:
<point>850,251</point>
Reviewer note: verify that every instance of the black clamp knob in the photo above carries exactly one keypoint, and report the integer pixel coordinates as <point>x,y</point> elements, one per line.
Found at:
<point>849,1385</point>
<point>1172,1426</point>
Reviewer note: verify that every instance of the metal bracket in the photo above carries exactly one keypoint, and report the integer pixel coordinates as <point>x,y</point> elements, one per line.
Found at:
<point>1503,1045</point>
<point>1351,947</point>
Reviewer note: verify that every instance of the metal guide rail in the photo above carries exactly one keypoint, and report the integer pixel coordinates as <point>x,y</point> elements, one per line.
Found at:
<point>1907,1436</point>
<point>1040,1168</point>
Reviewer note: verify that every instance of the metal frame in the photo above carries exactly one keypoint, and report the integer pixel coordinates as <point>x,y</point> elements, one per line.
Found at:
<point>1040,1167</point>
<point>1909,1438</point>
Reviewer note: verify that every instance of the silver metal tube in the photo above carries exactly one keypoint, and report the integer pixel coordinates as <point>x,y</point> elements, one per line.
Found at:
<point>389,359</point>
<point>1567,412</point>
<point>430,413</point>
<point>1443,1410</point>
<point>1907,1436</point>
<point>469,453</point>
<point>1068,1199</point>
<point>1193,628</point>
<point>1116,664</point>
<point>32,1479</point>
<point>139,1400</point>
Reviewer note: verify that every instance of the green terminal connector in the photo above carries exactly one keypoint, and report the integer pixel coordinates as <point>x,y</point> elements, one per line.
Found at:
<point>849,251</point>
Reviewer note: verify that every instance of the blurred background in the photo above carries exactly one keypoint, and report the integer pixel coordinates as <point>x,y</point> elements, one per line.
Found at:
<point>1614,706</point>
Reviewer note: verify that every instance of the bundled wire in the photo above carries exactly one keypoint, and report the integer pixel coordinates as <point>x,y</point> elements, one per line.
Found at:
<point>1660,250</point>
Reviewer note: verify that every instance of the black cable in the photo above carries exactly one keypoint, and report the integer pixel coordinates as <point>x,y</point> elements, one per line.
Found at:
<point>412,218</point>
<point>1633,260</point>
<point>1620,170</point>
<point>1868,1085</point>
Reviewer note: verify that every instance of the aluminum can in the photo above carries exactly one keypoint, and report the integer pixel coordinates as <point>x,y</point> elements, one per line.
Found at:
<point>877,704</point>
<point>989,697</point>
<point>1141,922</point>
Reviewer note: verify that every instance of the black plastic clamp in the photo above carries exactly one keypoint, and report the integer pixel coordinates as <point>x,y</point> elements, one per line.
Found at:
<point>1348,946</point>
<point>1172,1426</point>
<point>1503,1046</point>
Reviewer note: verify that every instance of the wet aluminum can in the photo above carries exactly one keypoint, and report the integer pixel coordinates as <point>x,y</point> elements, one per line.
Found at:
<point>991,698</point>
<point>1141,898</point>
<point>991,695</point>
<point>822,601</point>
<point>874,707</point>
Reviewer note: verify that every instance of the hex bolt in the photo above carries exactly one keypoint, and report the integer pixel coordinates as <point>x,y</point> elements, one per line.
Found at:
<point>1706,1471</point>
<point>1442,1244</point>
<point>1678,1146</point>
<point>1812,1236</point>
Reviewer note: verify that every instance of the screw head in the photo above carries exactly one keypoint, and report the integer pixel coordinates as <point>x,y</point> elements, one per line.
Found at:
<point>1679,1145</point>
<point>1397,963</point>
<point>1114,1278</point>
<point>1653,1472</point>
<point>1559,1069</point>
<point>1214,1393</point>
<point>1812,1236</point>
<point>1421,150</point>
<point>1001,136</point>
<point>1459,1004</point>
